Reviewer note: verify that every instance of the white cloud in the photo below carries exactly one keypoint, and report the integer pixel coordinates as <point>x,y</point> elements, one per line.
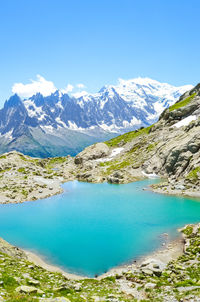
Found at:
<point>81,86</point>
<point>45,88</point>
<point>68,89</point>
<point>40,85</point>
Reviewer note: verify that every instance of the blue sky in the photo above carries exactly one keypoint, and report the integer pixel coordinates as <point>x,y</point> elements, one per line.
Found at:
<point>97,42</point>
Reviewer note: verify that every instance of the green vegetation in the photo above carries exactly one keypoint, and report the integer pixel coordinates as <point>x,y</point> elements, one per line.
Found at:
<point>28,159</point>
<point>54,161</point>
<point>22,170</point>
<point>118,166</point>
<point>182,103</point>
<point>105,164</point>
<point>25,193</point>
<point>193,175</point>
<point>115,165</point>
<point>8,282</point>
<point>150,147</point>
<point>5,170</point>
<point>15,273</point>
<point>188,230</point>
<point>37,173</point>
<point>127,137</point>
<point>57,160</point>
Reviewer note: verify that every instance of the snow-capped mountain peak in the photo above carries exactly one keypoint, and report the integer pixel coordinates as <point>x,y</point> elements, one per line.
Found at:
<point>127,105</point>
<point>114,109</point>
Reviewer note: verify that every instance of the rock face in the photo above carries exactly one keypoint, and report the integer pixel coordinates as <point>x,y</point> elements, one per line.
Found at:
<point>96,151</point>
<point>11,250</point>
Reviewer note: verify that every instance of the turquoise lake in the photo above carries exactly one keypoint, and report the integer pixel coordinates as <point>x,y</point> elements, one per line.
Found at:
<point>91,228</point>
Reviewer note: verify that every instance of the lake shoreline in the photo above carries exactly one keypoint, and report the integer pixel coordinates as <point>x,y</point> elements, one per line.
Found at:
<point>39,261</point>
<point>57,189</point>
<point>171,251</point>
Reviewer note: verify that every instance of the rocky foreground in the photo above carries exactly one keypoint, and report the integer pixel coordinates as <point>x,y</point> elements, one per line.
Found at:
<point>151,280</point>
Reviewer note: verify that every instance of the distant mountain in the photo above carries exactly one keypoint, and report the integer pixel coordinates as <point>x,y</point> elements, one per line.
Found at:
<point>60,124</point>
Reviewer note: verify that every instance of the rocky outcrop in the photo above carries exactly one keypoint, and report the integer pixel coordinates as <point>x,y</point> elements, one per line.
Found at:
<point>11,250</point>
<point>96,151</point>
<point>27,289</point>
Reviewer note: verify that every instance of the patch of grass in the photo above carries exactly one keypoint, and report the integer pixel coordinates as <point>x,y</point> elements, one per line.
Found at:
<point>185,283</point>
<point>134,149</point>
<point>21,170</point>
<point>9,283</point>
<point>194,174</point>
<point>127,137</point>
<point>110,278</point>
<point>188,230</point>
<point>105,164</point>
<point>118,166</point>
<point>28,159</point>
<point>150,147</point>
<point>37,173</point>
<point>182,103</point>
<point>5,170</point>
<point>56,160</point>
<point>25,193</point>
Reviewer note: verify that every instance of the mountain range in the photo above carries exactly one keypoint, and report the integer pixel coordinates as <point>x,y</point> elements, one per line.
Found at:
<point>60,124</point>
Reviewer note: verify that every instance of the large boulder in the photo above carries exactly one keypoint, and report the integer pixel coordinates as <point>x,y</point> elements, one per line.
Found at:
<point>26,289</point>
<point>96,151</point>
<point>153,265</point>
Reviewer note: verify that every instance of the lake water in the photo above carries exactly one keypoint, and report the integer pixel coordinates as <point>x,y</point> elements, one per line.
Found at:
<point>91,228</point>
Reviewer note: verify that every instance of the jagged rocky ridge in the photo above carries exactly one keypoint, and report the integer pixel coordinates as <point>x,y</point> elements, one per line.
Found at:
<point>58,124</point>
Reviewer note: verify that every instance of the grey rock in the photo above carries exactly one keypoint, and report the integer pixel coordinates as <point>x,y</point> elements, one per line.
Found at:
<point>96,151</point>
<point>150,285</point>
<point>147,271</point>
<point>179,187</point>
<point>26,289</point>
<point>113,180</point>
<point>34,282</point>
<point>58,299</point>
